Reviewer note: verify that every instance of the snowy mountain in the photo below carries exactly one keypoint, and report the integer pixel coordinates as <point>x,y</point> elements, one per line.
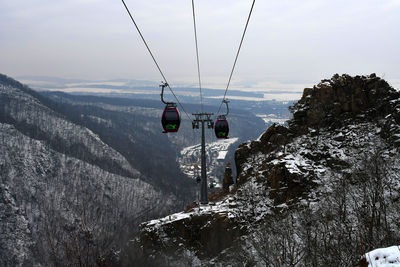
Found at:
<point>321,191</point>
<point>66,196</point>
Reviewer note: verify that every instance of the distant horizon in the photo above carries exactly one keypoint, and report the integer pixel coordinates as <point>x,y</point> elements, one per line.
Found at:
<point>272,91</point>
<point>81,86</point>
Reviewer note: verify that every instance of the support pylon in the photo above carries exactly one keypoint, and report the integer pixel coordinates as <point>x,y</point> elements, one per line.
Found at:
<point>203,118</point>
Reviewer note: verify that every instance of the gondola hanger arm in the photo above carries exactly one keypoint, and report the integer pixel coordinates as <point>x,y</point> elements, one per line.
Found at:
<point>163,85</point>
<point>223,116</point>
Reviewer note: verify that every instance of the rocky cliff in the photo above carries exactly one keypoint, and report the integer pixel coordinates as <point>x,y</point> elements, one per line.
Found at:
<point>344,98</point>
<point>332,108</point>
<point>320,191</point>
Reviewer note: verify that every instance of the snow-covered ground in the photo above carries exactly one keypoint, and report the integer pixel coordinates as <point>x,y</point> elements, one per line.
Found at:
<point>190,159</point>
<point>272,118</point>
<point>224,206</point>
<point>386,257</point>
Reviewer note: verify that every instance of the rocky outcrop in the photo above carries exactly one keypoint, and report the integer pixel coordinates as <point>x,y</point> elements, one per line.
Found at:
<point>275,136</point>
<point>328,106</point>
<point>207,232</point>
<point>341,97</point>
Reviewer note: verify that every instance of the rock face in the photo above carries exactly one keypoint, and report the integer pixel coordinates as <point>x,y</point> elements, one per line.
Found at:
<point>342,97</point>
<point>331,104</point>
<point>207,231</point>
<point>275,136</point>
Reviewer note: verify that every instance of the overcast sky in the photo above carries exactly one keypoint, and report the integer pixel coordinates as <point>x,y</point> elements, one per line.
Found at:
<point>289,44</point>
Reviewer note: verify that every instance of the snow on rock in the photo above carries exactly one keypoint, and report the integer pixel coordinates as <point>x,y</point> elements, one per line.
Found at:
<point>208,228</point>
<point>272,118</point>
<point>221,207</point>
<point>385,257</point>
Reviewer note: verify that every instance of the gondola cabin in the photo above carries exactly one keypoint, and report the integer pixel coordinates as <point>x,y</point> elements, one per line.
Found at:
<point>221,128</point>
<point>170,119</point>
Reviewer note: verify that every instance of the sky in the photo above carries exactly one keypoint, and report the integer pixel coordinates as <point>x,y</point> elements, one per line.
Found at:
<point>289,44</point>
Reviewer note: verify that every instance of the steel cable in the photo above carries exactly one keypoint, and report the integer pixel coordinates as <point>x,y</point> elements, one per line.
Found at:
<point>197,55</point>
<point>155,61</point>
<point>237,55</point>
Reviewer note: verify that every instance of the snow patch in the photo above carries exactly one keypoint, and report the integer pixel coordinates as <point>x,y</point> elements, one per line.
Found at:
<point>386,257</point>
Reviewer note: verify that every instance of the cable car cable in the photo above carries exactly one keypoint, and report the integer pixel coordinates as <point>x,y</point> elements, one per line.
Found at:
<point>237,55</point>
<point>155,61</point>
<point>197,55</point>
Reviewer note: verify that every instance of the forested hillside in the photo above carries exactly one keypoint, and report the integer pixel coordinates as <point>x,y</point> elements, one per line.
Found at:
<point>133,129</point>
<point>66,195</point>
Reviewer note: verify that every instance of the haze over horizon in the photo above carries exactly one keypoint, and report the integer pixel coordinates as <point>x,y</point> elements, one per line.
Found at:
<point>288,46</point>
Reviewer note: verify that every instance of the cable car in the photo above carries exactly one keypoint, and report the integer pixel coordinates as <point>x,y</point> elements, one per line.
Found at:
<point>221,127</point>
<point>170,119</point>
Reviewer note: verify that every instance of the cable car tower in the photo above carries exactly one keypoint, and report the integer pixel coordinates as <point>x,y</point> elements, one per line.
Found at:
<point>203,118</point>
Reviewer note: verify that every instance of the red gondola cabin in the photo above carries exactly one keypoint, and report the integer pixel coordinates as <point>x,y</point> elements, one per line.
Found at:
<point>221,128</point>
<point>170,119</point>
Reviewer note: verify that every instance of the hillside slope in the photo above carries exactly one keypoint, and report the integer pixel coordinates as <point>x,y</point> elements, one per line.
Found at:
<point>320,192</point>
<point>65,195</point>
